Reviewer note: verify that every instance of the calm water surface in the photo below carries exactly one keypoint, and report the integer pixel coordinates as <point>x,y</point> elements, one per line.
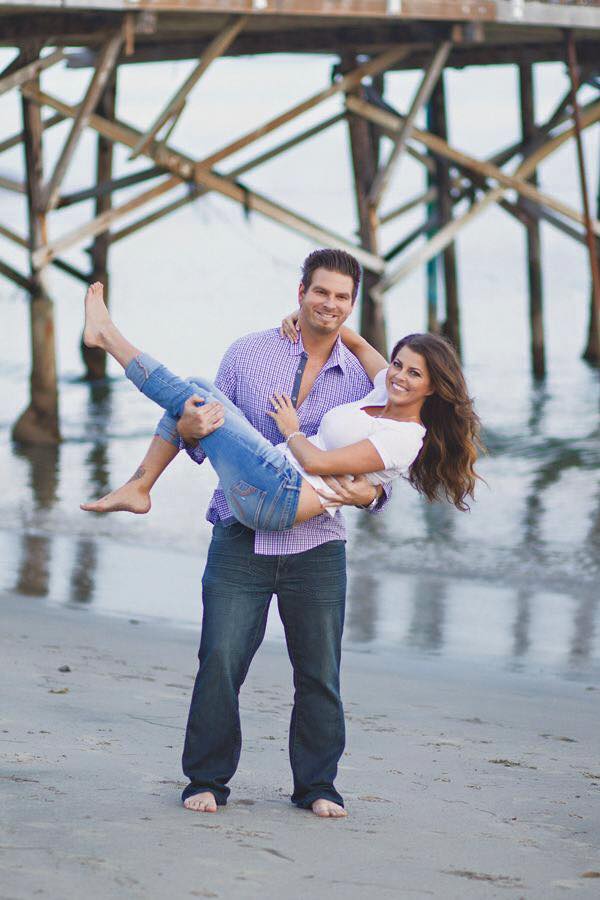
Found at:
<point>514,581</point>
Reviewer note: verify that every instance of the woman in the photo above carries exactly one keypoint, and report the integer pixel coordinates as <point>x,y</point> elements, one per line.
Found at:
<point>418,421</point>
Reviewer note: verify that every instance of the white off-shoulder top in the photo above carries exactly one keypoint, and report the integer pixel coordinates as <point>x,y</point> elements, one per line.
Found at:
<point>398,443</point>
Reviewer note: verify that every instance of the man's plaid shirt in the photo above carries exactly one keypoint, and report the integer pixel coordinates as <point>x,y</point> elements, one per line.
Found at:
<point>252,370</point>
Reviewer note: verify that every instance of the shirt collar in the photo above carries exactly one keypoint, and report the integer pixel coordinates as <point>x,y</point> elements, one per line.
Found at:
<point>338,356</point>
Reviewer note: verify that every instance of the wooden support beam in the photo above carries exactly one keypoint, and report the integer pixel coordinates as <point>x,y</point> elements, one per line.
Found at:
<point>13,275</point>
<point>185,169</point>
<point>196,191</point>
<point>164,138</point>
<point>58,263</point>
<point>451,324</point>
<point>592,349</point>
<point>425,197</point>
<point>446,234</point>
<point>94,358</point>
<point>29,71</point>
<point>345,83</point>
<point>16,139</point>
<point>216,48</point>
<point>102,222</point>
<point>66,25</point>
<point>360,38</point>
<point>391,122</point>
<point>560,115</point>
<point>103,72</point>
<point>546,215</point>
<point>532,230</point>
<point>591,354</point>
<point>364,149</point>
<point>421,97</point>
<point>10,184</point>
<point>426,227</point>
<point>103,188</point>
<point>39,421</point>
<point>11,235</point>
<point>193,193</point>
<point>70,269</point>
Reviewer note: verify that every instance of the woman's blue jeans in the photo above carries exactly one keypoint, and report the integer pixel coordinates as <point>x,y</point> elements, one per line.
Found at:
<point>261,486</point>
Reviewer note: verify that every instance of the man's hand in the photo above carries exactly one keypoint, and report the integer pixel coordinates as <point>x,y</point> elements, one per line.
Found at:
<point>198,421</point>
<point>344,491</point>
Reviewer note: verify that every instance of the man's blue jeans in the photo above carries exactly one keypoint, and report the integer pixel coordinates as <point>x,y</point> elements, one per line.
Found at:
<point>237,588</point>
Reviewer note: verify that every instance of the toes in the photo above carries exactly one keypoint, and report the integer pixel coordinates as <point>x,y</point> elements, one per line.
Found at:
<point>326,809</point>
<point>201,804</point>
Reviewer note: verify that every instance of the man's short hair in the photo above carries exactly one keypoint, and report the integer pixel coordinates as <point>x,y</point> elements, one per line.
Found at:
<point>334,261</point>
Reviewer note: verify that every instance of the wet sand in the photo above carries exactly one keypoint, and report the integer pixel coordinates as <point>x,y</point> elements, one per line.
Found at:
<point>461,781</point>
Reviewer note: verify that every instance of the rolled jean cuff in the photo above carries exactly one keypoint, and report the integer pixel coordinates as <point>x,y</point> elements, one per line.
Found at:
<point>141,368</point>
<point>167,430</point>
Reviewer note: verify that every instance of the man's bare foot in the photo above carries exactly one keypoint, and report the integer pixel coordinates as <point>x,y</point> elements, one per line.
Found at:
<point>130,497</point>
<point>96,316</point>
<point>204,802</point>
<point>327,809</point>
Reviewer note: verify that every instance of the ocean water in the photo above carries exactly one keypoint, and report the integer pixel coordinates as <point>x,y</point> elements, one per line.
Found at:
<point>514,581</point>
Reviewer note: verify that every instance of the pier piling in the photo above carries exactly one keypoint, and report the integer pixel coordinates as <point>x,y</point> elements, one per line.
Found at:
<point>451,324</point>
<point>364,140</point>
<point>532,231</point>
<point>39,422</point>
<point>94,358</point>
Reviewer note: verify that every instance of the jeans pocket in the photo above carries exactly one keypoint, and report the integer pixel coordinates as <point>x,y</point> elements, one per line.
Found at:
<point>246,503</point>
<point>232,532</point>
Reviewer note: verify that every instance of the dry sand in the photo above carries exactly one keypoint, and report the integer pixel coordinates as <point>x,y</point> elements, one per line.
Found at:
<point>461,781</point>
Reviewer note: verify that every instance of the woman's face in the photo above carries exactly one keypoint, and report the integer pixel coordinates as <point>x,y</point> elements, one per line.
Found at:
<point>407,381</point>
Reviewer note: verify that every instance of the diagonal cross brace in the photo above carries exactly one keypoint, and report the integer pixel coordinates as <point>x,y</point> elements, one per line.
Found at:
<point>422,95</point>
<point>440,147</point>
<point>104,69</point>
<point>185,169</point>
<point>174,107</point>
<point>30,71</point>
<point>446,234</point>
<point>347,82</point>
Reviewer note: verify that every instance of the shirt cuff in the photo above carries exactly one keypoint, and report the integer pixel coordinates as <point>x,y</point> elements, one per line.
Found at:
<point>383,500</point>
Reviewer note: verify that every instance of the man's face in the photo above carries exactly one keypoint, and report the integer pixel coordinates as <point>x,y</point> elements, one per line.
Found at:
<point>327,302</point>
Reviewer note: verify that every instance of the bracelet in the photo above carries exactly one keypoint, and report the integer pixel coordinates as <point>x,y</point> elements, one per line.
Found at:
<point>293,434</point>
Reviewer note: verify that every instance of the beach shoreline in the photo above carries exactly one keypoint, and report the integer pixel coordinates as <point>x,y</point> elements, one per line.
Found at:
<point>461,780</point>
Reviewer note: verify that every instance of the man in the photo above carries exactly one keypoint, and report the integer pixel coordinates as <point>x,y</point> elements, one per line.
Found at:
<point>304,566</point>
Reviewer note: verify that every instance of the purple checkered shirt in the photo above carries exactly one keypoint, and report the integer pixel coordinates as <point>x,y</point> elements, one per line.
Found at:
<point>253,368</point>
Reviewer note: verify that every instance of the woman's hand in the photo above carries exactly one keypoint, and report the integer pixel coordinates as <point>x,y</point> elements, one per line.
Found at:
<point>289,327</point>
<point>284,415</point>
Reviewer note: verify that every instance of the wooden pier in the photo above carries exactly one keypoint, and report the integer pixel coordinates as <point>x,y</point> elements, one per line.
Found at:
<point>370,38</point>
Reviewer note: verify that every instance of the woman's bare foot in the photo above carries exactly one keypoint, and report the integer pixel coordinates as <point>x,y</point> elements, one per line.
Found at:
<point>96,316</point>
<point>131,497</point>
<point>326,809</point>
<point>204,802</point>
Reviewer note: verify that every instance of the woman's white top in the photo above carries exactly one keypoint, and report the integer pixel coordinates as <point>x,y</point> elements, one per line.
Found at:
<point>398,443</point>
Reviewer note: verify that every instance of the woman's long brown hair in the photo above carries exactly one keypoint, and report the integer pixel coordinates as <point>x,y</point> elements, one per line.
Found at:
<point>445,464</point>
